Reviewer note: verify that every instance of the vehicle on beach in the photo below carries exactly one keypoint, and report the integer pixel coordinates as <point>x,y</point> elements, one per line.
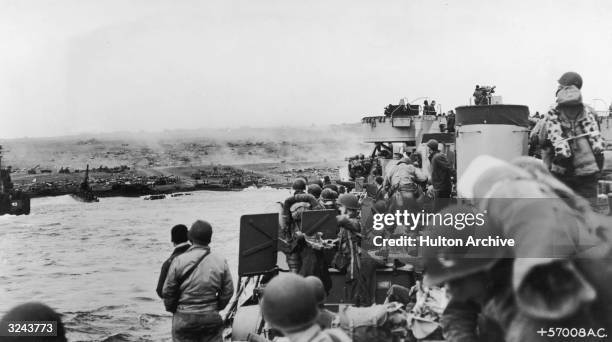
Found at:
<point>181,194</point>
<point>12,202</point>
<point>155,197</point>
<point>85,193</point>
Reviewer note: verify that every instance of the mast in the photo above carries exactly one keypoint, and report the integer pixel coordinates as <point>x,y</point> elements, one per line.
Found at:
<point>86,180</point>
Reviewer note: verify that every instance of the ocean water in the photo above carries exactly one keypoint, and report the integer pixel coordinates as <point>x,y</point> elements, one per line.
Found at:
<point>98,263</point>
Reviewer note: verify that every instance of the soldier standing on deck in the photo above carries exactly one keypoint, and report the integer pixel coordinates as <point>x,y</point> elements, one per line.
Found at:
<point>441,174</point>
<point>198,286</point>
<point>570,141</point>
<point>179,237</point>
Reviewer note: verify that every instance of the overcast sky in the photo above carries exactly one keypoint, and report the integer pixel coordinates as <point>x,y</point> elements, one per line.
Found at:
<point>75,66</point>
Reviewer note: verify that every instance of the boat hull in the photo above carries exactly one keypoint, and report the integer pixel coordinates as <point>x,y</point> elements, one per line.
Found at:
<point>12,204</point>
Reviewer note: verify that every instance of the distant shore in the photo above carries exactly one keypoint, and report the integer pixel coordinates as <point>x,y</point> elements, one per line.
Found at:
<point>173,179</point>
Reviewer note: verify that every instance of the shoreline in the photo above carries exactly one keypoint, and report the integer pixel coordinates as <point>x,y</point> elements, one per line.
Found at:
<point>173,179</point>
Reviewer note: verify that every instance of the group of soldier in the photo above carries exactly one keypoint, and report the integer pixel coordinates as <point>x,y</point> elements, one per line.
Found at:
<point>554,283</point>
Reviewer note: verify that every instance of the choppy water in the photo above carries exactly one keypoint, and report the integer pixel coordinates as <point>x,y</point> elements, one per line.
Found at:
<point>98,263</point>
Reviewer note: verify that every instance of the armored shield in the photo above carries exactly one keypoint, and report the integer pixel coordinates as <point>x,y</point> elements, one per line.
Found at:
<point>323,221</point>
<point>258,244</point>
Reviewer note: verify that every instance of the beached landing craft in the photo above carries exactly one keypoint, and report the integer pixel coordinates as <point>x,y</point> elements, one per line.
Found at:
<point>479,131</point>
<point>85,194</point>
<point>11,202</point>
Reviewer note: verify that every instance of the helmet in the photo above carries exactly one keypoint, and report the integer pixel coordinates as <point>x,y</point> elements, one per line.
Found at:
<point>329,194</point>
<point>571,78</point>
<point>333,187</point>
<point>315,190</point>
<point>200,232</point>
<point>35,311</point>
<point>289,303</point>
<point>317,286</point>
<point>299,184</point>
<point>350,201</point>
<point>445,263</point>
<point>433,144</point>
<point>380,207</point>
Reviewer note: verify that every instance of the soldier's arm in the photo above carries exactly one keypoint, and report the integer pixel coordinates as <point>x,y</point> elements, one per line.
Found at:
<point>162,278</point>
<point>227,287</point>
<point>171,290</point>
<point>347,223</point>
<point>419,175</point>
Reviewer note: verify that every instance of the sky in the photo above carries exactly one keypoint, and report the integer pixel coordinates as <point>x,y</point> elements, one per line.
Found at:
<point>79,66</point>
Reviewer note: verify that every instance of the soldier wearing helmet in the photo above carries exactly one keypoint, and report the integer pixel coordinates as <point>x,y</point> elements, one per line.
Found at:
<point>350,258</point>
<point>291,238</point>
<point>326,317</point>
<point>299,186</point>
<point>315,190</point>
<point>570,142</point>
<point>328,199</point>
<point>289,304</point>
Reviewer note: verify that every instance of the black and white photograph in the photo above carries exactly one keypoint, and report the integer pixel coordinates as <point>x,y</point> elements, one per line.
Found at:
<point>305,171</point>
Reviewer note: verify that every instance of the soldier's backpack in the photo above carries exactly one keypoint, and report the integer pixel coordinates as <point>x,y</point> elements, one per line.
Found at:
<point>374,323</point>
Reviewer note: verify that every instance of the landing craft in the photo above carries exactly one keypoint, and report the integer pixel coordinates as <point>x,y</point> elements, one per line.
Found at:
<point>12,202</point>
<point>85,193</point>
<point>402,129</point>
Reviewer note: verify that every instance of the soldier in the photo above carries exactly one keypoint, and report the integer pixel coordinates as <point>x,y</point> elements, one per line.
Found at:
<point>326,317</point>
<point>441,175</point>
<point>198,286</point>
<point>478,95</point>
<point>328,199</point>
<point>402,174</point>
<point>291,237</point>
<point>179,237</point>
<point>289,304</point>
<point>450,122</point>
<point>570,141</point>
<point>360,269</point>
<point>33,312</point>
<point>315,190</point>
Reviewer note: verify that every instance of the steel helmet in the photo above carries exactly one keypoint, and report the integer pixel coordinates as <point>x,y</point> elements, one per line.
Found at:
<point>315,190</point>
<point>571,78</point>
<point>299,184</point>
<point>446,263</point>
<point>329,194</point>
<point>317,286</point>
<point>350,201</point>
<point>433,144</point>
<point>289,303</point>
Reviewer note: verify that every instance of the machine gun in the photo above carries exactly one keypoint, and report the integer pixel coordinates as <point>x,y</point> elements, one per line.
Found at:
<point>482,95</point>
